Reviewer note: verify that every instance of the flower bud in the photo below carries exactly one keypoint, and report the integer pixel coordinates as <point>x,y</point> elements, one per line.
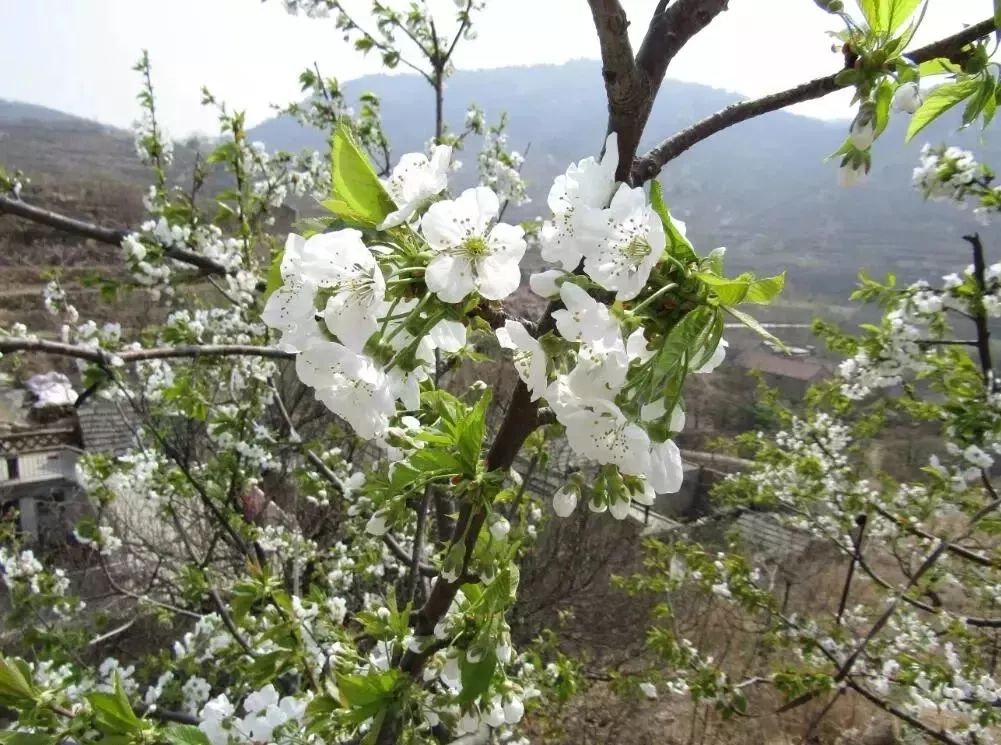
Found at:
<point>907,99</point>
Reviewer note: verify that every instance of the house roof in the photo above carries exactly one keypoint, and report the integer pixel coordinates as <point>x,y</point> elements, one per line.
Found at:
<point>797,368</point>
<point>106,427</point>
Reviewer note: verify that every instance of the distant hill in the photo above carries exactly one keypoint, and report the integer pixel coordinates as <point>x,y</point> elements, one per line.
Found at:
<point>761,188</point>
<point>14,111</point>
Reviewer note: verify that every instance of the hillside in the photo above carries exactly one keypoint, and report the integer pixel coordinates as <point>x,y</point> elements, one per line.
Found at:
<point>762,188</point>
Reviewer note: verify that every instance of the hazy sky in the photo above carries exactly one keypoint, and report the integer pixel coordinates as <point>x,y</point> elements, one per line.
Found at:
<point>76,55</point>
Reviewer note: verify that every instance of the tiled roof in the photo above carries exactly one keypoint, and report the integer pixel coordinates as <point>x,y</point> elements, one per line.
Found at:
<point>106,427</point>
<point>797,368</point>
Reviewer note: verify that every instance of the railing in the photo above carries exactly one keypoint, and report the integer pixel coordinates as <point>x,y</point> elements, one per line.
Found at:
<point>29,468</point>
<point>37,439</point>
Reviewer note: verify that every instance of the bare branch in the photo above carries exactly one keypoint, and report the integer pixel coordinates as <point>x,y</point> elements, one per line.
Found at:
<point>626,90</point>
<point>670,29</point>
<point>631,84</point>
<point>650,164</point>
<point>110,236</point>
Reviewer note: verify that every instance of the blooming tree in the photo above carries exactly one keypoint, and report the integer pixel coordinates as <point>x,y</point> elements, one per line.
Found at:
<point>314,595</point>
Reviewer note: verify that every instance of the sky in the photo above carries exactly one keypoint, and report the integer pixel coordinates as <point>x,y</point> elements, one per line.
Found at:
<point>77,55</point>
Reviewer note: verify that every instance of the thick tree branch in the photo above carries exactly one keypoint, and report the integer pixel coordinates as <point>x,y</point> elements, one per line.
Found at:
<point>109,359</point>
<point>110,236</point>
<point>625,89</point>
<point>670,29</point>
<point>650,164</point>
<point>631,83</point>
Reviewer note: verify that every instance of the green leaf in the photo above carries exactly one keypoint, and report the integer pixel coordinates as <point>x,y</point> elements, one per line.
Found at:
<point>870,10</point>
<point>893,13</point>
<point>763,291</point>
<point>753,324</point>
<point>27,738</point>
<point>113,712</point>
<point>274,275</point>
<point>978,101</point>
<point>358,196</point>
<point>886,15</point>
<point>15,685</point>
<point>938,102</point>
<point>365,695</point>
<point>884,97</point>
<point>939,66</point>
<point>990,105</point>
<point>185,734</point>
<point>470,433</point>
<point>476,677</point>
<point>728,291</point>
<point>685,341</point>
<point>677,245</point>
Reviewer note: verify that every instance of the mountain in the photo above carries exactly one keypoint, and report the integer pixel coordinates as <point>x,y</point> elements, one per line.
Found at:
<point>760,188</point>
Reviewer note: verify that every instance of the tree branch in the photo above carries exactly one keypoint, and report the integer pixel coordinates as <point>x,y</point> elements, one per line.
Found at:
<point>650,164</point>
<point>980,317</point>
<point>110,359</point>
<point>670,29</point>
<point>631,84</point>
<point>110,236</point>
<point>626,90</point>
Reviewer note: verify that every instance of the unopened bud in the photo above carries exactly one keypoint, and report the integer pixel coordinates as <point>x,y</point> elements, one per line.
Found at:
<point>831,6</point>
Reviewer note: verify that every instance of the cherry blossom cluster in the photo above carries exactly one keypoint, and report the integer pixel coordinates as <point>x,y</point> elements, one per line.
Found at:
<point>499,168</point>
<point>914,328</point>
<point>267,717</point>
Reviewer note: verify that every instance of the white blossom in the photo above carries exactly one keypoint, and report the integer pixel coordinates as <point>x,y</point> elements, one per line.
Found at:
<point>414,180</point>
<point>472,253</point>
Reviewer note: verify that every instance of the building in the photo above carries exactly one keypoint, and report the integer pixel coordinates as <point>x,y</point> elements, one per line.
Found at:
<point>791,374</point>
<point>39,482</point>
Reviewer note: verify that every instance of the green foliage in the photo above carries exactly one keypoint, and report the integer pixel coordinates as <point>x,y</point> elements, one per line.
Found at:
<point>938,102</point>
<point>15,683</point>
<point>358,197</point>
<point>364,696</point>
<point>678,245</point>
<point>185,734</point>
<point>113,713</point>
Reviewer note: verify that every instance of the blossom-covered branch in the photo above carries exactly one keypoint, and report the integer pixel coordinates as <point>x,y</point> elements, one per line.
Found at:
<point>110,236</point>
<point>109,359</point>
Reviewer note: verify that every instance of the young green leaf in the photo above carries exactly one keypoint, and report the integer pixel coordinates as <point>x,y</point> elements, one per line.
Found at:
<point>185,734</point>
<point>753,324</point>
<point>476,677</point>
<point>274,275</point>
<point>113,712</point>
<point>15,686</point>
<point>763,291</point>
<point>727,291</point>
<point>938,102</point>
<point>358,196</point>
<point>677,244</point>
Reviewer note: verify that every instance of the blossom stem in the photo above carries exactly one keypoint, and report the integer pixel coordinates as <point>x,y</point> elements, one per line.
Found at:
<point>658,294</point>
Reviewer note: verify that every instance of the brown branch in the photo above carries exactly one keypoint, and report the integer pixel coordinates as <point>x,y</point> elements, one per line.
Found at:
<point>650,164</point>
<point>938,735</point>
<point>110,236</point>
<point>632,83</point>
<point>980,315</point>
<point>952,547</point>
<point>626,90</point>
<point>110,359</point>
<point>670,29</point>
